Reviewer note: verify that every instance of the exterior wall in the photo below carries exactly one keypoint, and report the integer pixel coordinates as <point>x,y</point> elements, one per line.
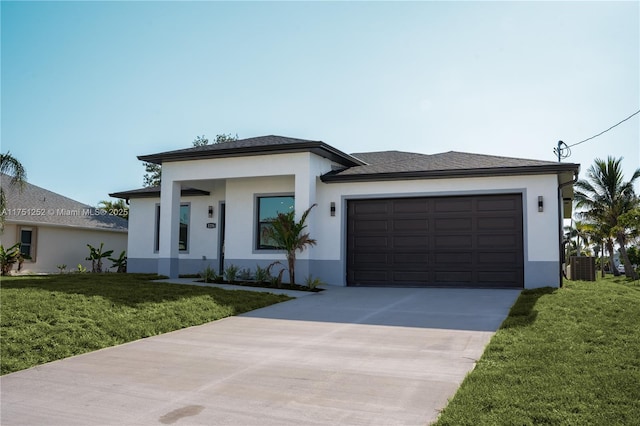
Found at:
<point>203,243</point>
<point>64,245</point>
<point>238,181</point>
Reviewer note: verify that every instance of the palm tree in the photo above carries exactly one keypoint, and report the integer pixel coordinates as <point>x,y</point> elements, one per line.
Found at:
<point>605,196</point>
<point>10,166</point>
<point>117,208</point>
<point>288,235</point>
<point>582,232</point>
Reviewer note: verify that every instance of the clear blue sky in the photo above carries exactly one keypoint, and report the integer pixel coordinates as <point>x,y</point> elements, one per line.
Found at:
<point>88,86</point>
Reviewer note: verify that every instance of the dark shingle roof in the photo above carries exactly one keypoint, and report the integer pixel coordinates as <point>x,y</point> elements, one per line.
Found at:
<point>38,206</point>
<point>261,145</point>
<point>407,165</point>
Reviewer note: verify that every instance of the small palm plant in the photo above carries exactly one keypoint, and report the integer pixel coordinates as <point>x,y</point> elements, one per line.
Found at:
<point>289,235</point>
<point>96,255</point>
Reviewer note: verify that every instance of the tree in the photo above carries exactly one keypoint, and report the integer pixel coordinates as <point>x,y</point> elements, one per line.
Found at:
<point>153,175</point>
<point>605,196</point>
<point>10,166</point>
<point>116,208</point>
<point>628,228</point>
<point>289,235</point>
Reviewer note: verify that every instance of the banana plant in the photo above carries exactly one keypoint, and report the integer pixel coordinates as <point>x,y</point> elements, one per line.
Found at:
<point>96,255</point>
<point>120,263</point>
<point>8,257</point>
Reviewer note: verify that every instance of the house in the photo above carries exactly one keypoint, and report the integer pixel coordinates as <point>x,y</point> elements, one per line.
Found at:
<point>382,218</point>
<point>55,230</point>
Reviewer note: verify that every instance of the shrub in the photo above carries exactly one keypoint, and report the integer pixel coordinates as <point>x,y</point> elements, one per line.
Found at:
<point>231,273</point>
<point>261,275</point>
<point>209,274</point>
<point>312,283</point>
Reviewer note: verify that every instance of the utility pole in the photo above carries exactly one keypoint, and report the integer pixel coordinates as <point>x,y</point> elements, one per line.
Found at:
<point>559,151</point>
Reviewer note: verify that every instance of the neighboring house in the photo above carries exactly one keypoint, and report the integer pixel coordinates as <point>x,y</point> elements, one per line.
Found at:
<point>55,230</point>
<point>383,218</point>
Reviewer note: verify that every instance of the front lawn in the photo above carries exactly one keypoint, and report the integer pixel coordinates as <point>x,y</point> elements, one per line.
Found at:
<point>566,356</point>
<point>45,318</point>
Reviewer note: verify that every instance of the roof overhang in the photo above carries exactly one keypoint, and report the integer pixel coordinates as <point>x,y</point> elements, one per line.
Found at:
<point>154,192</point>
<point>560,168</point>
<point>318,148</point>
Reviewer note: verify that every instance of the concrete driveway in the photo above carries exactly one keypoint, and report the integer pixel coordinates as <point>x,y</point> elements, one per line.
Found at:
<point>346,356</point>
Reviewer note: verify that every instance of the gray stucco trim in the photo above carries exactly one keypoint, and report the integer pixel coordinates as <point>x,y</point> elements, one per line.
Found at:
<point>541,274</point>
<point>142,265</point>
<point>169,266</point>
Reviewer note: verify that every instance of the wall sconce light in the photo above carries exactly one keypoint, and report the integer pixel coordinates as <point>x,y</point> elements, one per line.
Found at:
<point>210,211</point>
<point>540,204</point>
<point>333,209</point>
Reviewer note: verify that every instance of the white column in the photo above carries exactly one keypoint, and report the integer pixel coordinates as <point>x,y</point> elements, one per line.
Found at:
<point>169,228</point>
<point>305,197</point>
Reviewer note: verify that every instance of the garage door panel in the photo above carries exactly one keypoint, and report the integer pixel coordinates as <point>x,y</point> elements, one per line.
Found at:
<point>409,241</point>
<point>496,223</point>
<point>372,226</point>
<point>452,205</point>
<point>454,258</point>
<point>417,206</point>
<point>453,241</point>
<point>409,277</point>
<point>503,241</point>
<point>371,243</point>
<point>451,276</point>
<point>371,207</point>
<point>408,258</point>
<point>413,225</point>
<point>491,203</point>
<point>461,241</point>
<point>497,277</point>
<point>371,259</point>
<point>457,224</point>
<point>499,258</point>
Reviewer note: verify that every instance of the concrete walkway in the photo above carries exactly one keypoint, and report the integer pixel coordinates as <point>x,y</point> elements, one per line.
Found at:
<point>345,356</point>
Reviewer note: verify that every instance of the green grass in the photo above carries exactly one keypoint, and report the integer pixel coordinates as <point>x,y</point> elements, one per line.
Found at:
<point>568,356</point>
<point>45,318</point>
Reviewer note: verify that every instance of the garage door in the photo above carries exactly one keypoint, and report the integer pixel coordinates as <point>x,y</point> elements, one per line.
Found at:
<point>467,241</point>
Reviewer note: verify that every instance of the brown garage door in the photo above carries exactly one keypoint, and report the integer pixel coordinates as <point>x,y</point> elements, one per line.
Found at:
<point>469,241</point>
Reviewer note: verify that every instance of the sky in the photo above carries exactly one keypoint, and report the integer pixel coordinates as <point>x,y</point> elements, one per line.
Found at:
<point>86,87</point>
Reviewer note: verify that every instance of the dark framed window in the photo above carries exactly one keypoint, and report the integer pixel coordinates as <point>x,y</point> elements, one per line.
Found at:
<point>27,243</point>
<point>183,235</point>
<point>268,209</point>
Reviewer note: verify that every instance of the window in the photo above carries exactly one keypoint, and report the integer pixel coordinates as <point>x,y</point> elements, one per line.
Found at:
<point>184,227</point>
<point>183,235</point>
<point>268,209</point>
<point>27,243</point>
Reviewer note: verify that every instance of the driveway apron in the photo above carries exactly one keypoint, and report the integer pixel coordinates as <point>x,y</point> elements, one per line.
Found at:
<point>345,356</point>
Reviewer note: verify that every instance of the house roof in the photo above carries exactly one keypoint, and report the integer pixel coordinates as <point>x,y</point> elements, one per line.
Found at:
<point>261,145</point>
<point>154,192</point>
<point>35,205</point>
<point>395,165</point>
<point>366,166</point>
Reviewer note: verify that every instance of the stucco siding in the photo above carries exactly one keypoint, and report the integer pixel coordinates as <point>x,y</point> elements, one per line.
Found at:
<point>64,245</point>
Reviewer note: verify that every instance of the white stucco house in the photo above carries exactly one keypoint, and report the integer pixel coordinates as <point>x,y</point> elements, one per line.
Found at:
<point>382,218</point>
<point>55,230</point>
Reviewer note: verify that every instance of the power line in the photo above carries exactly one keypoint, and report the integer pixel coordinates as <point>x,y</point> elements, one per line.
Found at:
<point>605,131</point>
<point>563,150</point>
